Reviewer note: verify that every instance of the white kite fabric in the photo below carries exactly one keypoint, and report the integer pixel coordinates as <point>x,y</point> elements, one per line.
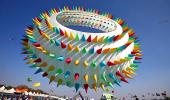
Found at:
<point>81,59</point>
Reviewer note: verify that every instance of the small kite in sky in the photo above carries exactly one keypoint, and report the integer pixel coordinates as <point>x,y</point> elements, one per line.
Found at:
<point>37,84</point>
<point>29,79</point>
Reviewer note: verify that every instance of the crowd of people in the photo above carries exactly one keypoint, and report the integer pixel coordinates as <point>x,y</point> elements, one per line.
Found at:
<point>15,97</point>
<point>23,97</point>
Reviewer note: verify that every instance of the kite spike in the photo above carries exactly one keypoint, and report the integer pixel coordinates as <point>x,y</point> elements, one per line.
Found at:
<point>94,86</point>
<point>101,39</point>
<point>43,64</point>
<point>120,22</point>
<point>86,78</point>
<point>63,45</point>
<point>137,58</point>
<point>62,32</point>
<point>95,39</point>
<point>79,8</point>
<point>51,55</point>
<point>66,34</point>
<point>125,72</point>
<point>57,43</point>
<point>64,8</point>
<point>116,62</point>
<point>45,74</point>
<point>99,51</point>
<point>30,61</point>
<point>47,15</point>
<point>36,44</point>
<point>124,80</point>
<point>105,51</point>
<point>103,76</point>
<point>77,49</point>
<point>106,39</point>
<point>91,51</point>
<point>125,28</point>
<point>40,48</point>
<point>71,36</point>
<point>116,38</point>
<point>95,78</point>
<point>76,76</point>
<point>38,71</point>
<point>107,90</point>
<point>77,37</point>
<point>44,34</point>
<point>130,32</point>
<point>57,10</point>
<point>128,76</point>
<point>68,8</point>
<point>37,60</point>
<point>86,87</point>
<point>83,38</point>
<point>68,60</point>
<point>51,68</point>
<point>83,9</point>
<point>53,11</point>
<point>59,71</point>
<point>89,39</point>
<point>25,40</point>
<point>57,30</point>
<point>52,78</point>
<point>70,47</point>
<point>85,63</point>
<point>130,68</point>
<point>109,63</point>
<point>112,76</point>
<point>84,50</point>
<point>48,24</point>
<point>76,8</point>
<point>118,74</point>
<point>29,32</point>
<point>110,84</point>
<point>76,62</point>
<point>59,82</point>
<point>77,86</point>
<point>42,16</point>
<point>132,72</point>
<point>103,63</point>
<point>93,64</point>
<point>102,86</point>
<point>116,82</point>
<point>36,21</point>
<point>67,74</point>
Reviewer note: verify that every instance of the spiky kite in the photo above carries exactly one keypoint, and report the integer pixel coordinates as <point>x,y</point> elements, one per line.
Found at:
<point>81,59</point>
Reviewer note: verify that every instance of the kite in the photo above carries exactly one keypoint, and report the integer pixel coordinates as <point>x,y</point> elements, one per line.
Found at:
<point>29,79</point>
<point>82,59</point>
<point>37,84</point>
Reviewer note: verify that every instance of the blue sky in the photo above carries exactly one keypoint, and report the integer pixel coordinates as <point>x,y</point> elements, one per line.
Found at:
<point>149,19</point>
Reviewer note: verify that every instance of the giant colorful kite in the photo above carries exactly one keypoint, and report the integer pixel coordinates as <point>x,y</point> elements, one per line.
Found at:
<point>81,59</point>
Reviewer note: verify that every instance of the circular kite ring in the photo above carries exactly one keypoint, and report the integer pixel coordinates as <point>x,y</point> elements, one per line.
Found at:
<point>81,59</point>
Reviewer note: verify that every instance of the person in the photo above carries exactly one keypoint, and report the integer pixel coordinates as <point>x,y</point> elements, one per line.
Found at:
<point>4,98</point>
<point>31,98</point>
<point>12,98</point>
<point>19,98</point>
